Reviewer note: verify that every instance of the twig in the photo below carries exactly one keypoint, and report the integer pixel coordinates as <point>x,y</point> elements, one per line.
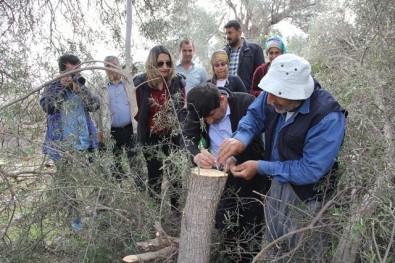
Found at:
<point>6,105</point>
<point>310,227</point>
<point>13,197</point>
<point>375,242</point>
<point>28,174</point>
<point>390,243</point>
<point>166,244</point>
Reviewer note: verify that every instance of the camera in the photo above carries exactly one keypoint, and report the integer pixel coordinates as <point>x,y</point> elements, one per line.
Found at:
<point>77,78</point>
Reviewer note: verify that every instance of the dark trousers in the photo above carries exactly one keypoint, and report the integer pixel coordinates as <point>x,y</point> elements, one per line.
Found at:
<point>123,140</point>
<point>159,146</point>
<point>240,217</point>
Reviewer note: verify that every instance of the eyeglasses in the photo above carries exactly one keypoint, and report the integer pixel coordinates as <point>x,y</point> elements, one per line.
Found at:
<point>222,64</point>
<point>161,63</point>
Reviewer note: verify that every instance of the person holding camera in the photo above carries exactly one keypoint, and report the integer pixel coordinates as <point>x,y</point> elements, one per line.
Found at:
<point>70,133</point>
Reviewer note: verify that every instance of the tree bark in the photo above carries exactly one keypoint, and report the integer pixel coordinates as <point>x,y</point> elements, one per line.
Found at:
<point>128,57</point>
<point>197,223</point>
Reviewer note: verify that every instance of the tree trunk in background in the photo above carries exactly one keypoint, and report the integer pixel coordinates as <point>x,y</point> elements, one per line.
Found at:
<point>198,218</point>
<point>128,58</point>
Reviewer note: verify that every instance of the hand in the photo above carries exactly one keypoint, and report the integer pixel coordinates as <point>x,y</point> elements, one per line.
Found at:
<point>230,163</point>
<point>246,170</point>
<point>204,159</point>
<point>229,147</point>
<point>68,82</point>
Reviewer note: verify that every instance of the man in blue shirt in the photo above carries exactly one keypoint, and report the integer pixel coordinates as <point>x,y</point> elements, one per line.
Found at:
<point>304,128</point>
<point>115,118</point>
<point>194,73</point>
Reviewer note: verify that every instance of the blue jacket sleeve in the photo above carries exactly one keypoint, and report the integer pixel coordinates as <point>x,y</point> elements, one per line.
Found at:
<point>91,103</point>
<point>52,98</point>
<point>252,124</point>
<point>321,148</point>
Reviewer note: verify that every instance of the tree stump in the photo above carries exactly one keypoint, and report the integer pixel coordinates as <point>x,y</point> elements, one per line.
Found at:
<point>198,218</point>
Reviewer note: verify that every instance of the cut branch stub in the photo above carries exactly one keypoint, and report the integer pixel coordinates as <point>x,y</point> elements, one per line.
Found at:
<point>197,223</point>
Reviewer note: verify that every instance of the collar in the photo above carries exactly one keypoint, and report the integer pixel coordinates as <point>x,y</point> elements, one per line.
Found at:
<point>227,113</point>
<point>227,110</point>
<point>305,107</point>
<point>242,46</point>
<point>110,83</point>
<point>180,64</point>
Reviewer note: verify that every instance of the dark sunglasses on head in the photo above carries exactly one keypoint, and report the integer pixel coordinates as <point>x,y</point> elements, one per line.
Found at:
<point>222,64</point>
<point>161,63</point>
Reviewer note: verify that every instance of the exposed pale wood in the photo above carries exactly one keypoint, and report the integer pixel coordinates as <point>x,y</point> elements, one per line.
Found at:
<point>208,172</point>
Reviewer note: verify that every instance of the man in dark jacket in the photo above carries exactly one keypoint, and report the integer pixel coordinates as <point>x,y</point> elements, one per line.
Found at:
<point>304,128</point>
<point>240,213</point>
<point>244,56</point>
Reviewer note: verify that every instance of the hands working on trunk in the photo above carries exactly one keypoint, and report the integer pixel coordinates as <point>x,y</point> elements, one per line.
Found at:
<point>228,149</point>
<point>205,159</point>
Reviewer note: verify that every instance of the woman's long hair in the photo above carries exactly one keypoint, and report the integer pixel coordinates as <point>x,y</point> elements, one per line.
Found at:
<point>153,75</point>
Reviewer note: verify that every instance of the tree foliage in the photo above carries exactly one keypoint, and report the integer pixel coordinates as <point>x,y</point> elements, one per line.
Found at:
<point>257,16</point>
<point>351,48</point>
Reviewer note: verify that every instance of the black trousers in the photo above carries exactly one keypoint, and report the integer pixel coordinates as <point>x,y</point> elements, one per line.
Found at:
<point>240,217</point>
<point>123,140</point>
<point>154,162</point>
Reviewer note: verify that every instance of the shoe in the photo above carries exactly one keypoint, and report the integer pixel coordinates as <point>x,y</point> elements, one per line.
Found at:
<point>77,225</point>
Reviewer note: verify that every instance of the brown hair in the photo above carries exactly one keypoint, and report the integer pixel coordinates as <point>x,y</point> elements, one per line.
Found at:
<point>153,75</point>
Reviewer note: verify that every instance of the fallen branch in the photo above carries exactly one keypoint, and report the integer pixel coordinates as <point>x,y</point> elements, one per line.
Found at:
<point>27,174</point>
<point>5,105</point>
<point>164,245</point>
<point>162,253</point>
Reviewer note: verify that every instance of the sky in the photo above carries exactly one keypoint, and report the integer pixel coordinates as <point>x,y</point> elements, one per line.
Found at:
<point>140,54</point>
<point>285,27</point>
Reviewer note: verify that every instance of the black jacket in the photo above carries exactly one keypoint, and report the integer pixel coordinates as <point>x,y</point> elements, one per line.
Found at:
<point>251,57</point>
<point>234,84</point>
<point>238,103</point>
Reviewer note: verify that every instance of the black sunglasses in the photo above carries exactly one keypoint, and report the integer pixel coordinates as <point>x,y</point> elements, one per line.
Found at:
<point>161,63</point>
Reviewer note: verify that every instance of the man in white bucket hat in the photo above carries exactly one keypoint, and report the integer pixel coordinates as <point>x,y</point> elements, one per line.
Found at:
<point>304,128</point>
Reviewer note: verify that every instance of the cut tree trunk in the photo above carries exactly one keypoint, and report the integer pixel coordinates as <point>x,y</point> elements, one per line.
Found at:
<point>198,218</point>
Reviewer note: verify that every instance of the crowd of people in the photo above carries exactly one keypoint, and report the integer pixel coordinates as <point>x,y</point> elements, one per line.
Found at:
<point>245,100</point>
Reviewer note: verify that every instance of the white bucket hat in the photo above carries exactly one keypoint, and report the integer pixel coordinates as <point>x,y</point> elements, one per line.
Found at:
<point>289,78</point>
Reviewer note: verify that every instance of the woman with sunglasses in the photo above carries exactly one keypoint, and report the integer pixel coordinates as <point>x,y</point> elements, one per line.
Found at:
<point>221,77</point>
<point>160,98</point>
